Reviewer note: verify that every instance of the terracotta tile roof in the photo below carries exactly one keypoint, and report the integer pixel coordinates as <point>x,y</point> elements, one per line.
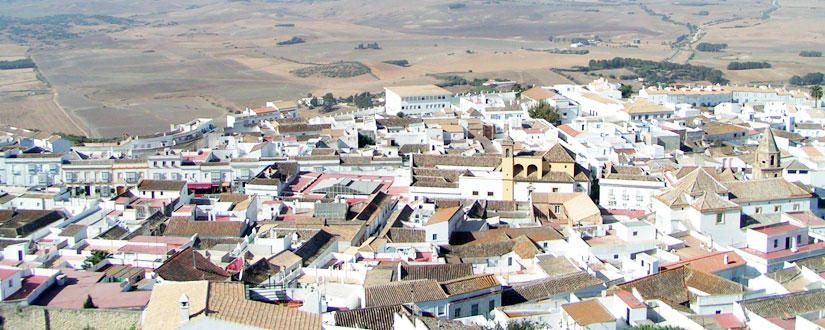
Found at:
<point>375,318</point>
<point>451,160</point>
<point>470,284</point>
<point>72,229</point>
<point>671,286</point>
<point>403,292</point>
<point>407,235</point>
<point>285,259</point>
<point>549,287</point>
<point>764,190</point>
<point>535,234</point>
<point>559,154</point>
<point>588,312</point>
<point>314,246</point>
<point>538,94</point>
<point>228,302</point>
<point>787,305</point>
<point>557,266</point>
<point>162,185</point>
<point>182,226</point>
<point>521,245</point>
<point>190,265</point>
<point>642,106</point>
<point>438,272</point>
<point>711,263</point>
<point>443,215</point>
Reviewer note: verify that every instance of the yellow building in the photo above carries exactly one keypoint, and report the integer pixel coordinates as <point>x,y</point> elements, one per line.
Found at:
<point>554,170</point>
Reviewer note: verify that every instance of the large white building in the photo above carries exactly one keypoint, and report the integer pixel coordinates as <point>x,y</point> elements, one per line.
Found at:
<point>416,100</point>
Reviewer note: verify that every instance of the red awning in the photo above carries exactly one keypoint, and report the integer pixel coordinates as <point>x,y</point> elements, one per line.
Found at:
<point>199,185</point>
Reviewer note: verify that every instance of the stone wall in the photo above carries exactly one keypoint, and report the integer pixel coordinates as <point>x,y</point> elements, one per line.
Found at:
<point>38,317</point>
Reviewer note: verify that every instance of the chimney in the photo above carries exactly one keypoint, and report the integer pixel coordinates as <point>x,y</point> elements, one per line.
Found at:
<point>184,309</point>
<point>726,259</point>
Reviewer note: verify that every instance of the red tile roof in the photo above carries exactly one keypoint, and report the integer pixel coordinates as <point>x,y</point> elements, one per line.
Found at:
<point>710,263</point>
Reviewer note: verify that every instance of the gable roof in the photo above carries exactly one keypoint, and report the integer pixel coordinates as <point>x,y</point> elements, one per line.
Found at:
<point>162,185</point>
<point>375,318</point>
<point>787,305</point>
<point>403,292</point>
<point>538,94</point>
<point>190,265</point>
<point>182,226</point>
<point>470,284</point>
<point>228,302</point>
<point>521,245</point>
<point>671,286</point>
<point>765,190</point>
<point>437,272</point>
<point>549,287</point>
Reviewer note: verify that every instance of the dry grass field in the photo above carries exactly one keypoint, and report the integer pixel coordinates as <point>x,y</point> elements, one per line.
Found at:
<point>205,58</point>
<point>27,102</point>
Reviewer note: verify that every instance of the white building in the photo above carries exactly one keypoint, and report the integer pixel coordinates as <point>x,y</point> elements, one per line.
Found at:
<point>416,100</point>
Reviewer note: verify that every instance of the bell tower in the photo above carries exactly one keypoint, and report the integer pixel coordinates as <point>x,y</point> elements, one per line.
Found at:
<point>507,168</point>
<point>768,159</point>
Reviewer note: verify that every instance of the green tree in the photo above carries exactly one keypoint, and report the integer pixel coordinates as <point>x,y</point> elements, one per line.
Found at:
<point>400,114</point>
<point>96,257</point>
<point>816,93</point>
<point>329,102</point>
<point>89,303</point>
<point>546,112</point>
<point>365,140</point>
<point>626,90</point>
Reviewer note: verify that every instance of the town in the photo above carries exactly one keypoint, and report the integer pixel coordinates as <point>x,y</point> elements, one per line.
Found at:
<point>545,207</point>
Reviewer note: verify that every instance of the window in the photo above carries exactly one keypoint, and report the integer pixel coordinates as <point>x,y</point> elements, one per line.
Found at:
<point>475,193</point>
<point>720,218</point>
<point>489,194</point>
<point>777,208</point>
<point>798,239</point>
<point>457,312</point>
<point>796,206</point>
<point>557,209</point>
<point>635,233</point>
<point>545,244</point>
<point>555,189</point>
<point>776,243</point>
<point>435,237</point>
<point>757,210</point>
<point>615,256</point>
<point>509,261</point>
<point>491,306</point>
<point>441,310</point>
<point>474,309</point>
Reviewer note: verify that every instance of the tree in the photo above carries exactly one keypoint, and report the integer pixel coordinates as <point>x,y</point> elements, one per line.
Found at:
<point>400,114</point>
<point>365,140</point>
<point>544,111</point>
<point>329,102</point>
<point>626,90</point>
<point>96,257</point>
<point>816,93</point>
<point>89,303</point>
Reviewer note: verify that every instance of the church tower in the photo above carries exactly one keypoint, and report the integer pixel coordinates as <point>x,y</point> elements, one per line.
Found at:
<point>768,164</point>
<point>507,168</point>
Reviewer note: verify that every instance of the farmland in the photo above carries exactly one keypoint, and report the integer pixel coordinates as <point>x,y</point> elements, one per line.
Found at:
<point>157,63</point>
